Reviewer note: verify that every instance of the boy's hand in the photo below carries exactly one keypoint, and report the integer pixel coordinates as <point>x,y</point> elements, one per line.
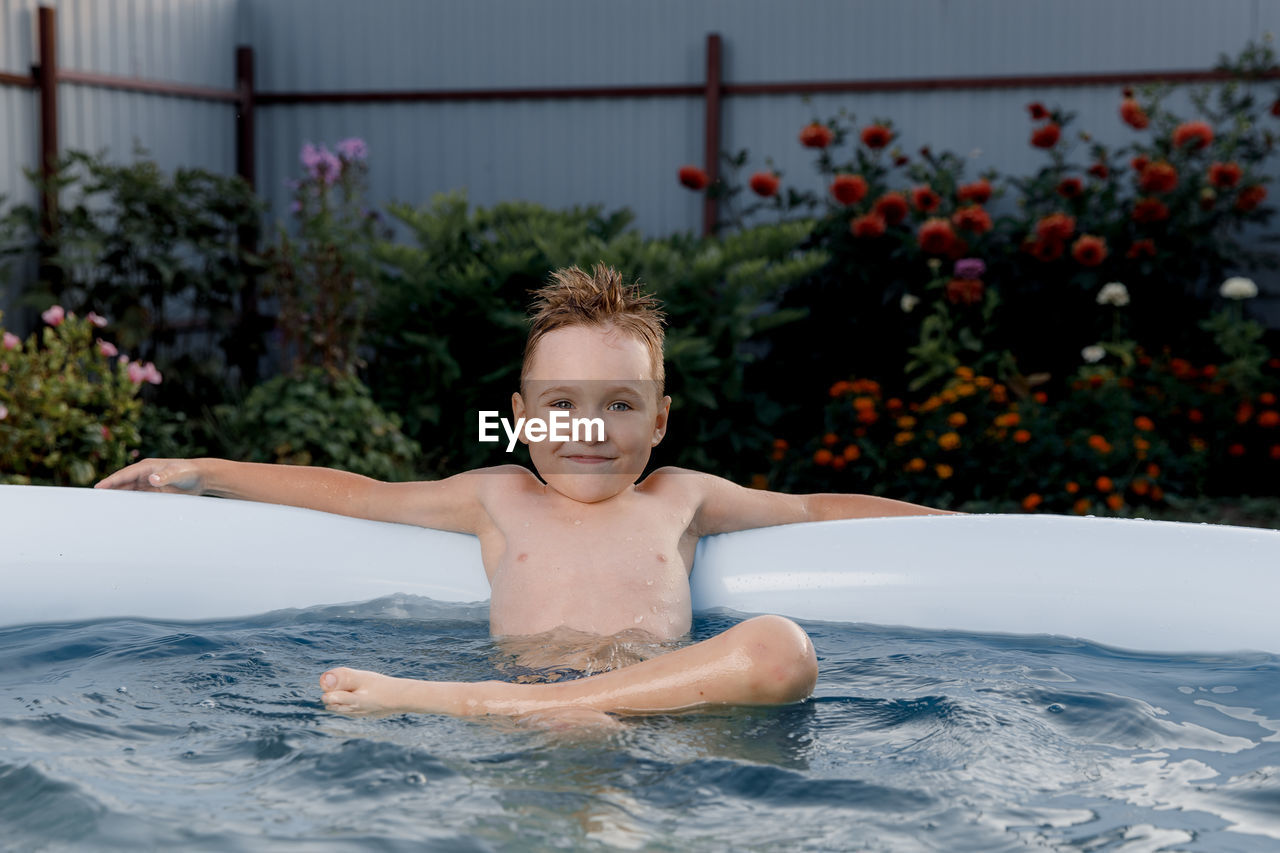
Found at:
<point>158,475</point>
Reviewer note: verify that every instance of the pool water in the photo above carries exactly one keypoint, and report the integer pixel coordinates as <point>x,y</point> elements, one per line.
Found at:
<point>210,736</point>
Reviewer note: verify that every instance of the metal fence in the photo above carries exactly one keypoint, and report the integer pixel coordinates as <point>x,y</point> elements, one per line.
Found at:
<point>570,102</point>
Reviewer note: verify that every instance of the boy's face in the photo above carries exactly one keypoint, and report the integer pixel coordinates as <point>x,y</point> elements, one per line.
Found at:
<point>593,372</point>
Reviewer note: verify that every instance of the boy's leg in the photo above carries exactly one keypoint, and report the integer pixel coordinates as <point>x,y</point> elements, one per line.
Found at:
<point>766,660</point>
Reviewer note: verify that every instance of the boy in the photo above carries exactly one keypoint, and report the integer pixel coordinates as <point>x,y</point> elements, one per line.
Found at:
<point>585,547</point>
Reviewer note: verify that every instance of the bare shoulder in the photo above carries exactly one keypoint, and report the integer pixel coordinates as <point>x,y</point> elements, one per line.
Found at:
<point>684,481</point>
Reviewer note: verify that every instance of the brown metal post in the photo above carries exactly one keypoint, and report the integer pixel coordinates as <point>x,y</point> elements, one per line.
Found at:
<point>250,333</point>
<point>711,151</point>
<point>47,75</point>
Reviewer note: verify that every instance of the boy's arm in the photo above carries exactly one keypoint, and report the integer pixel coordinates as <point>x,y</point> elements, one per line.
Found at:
<point>449,504</point>
<point>725,506</point>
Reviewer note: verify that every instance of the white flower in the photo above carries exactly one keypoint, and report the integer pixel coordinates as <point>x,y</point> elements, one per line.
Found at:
<point>1114,293</point>
<point>1093,354</point>
<point>1238,288</point>
<point>909,302</point>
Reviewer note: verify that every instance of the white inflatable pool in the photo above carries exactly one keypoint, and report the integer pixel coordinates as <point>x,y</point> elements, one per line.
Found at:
<point>76,554</point>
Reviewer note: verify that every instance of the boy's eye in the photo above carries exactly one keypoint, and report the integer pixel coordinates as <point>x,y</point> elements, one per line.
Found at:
<point>619,406</point>
<point>562,404</point>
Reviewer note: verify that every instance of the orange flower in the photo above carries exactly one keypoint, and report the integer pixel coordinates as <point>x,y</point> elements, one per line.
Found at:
<point>1275,451</point>
<point>949,441</point>
<point>1266,398</point>
<point>849,189</point>
<point>1140,487</point>
<point>999,394</point>
<point>925,199</point>
<point>1269,418</point>
<point>759,481</point>
<point>1056,226</point>
<point>1099,444</point>
<point>944,471</point>
<point>838,463</point>
<point>1195,416</point>
<point>830,439</point>
<point>893,207</point>
<point>868,226</point>
<point>1244,413</point>
<point>936,237</point>
<point>1157,494</point>
<point>694,178</point>
<point>1103,484</point>
<point>1021,436</point>
<point>1031,501</point>
<point>852,452</point>
<point>876,136</point>
<point>1089,250</point>
<point>906,422</point>
<point>1072,487</point>
<point>1236,449</point>
<point>1144,423</point>
<point>957,419</point>
<point>816,136</point>
<point>1081,507</point>
<point>1115,502</point>
<point>864,404</point>
<point>1197,134</point>
<point>764,184</point>
<point>1040,397</point>
<point>1150,210</point>
<point>1250,197</point>
<point>1046,136</point>
<point>823,457</point>
<point>1158,177</point>
<point>1153,470</point>
<point>1224,176</point>
<point>903,438</point>
<point>1008,419</point>
<point>972,218</point>
<point>1133,114</point>
<point>916,465</point>
<point>978,192</point>
<point>780,444</point>
<point>1141,445</point>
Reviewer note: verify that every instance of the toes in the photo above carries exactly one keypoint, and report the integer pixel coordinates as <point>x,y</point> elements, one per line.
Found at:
<point>340,679</point>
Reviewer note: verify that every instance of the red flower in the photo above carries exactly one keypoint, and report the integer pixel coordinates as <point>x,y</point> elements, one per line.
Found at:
<point>1037,111</point>
<point>694,178</point>
<point>876,136</point>
<point>816,136</point>
<point>1139,163</point>
<point>1133,114</point>
<point>1070,188</point>
<point>1046,136</point>
<point>1224,176</point>
<point>966,291</point>
<point>1089,250</point>
<point>1150,210</point>
<point>936,236</point>
<point>978,192</point>
<point>893,207</point>
<point>1140,248</point>
<point>901,160</point>
<point>764,184</point>
<point>1045,251</point>
<point>849,189</point>
<point>925,199</point>
<point>1198,134</point>
<point>1250,197</point>
<point>1158,177</point>
<point>870,225</point>
<point>1275,108</point>
<point>1100,171</point>
<point>1056,226</point>
<point>1236,449</point>
<point>972,218</point>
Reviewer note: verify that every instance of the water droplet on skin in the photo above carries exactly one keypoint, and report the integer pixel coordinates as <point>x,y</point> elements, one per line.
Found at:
<point>649,582</point>
<point>639,619</point>
<point>577,521</point>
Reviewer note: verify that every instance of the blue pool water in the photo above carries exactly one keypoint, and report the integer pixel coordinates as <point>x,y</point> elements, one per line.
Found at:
<point>210,736</point>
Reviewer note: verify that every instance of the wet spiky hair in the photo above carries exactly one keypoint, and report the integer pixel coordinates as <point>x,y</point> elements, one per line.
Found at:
<point>575,298</point>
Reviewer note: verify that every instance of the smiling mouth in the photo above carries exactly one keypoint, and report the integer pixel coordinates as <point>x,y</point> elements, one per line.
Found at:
<point>588,459</point>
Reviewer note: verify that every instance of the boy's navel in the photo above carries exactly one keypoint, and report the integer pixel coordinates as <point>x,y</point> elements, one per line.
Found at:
<point>522,557</point>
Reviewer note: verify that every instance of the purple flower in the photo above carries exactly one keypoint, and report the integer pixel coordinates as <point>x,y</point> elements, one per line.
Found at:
<point>970,268</point>
<point>310,157</point>
<point>328,168</point>
<point>353,149</point>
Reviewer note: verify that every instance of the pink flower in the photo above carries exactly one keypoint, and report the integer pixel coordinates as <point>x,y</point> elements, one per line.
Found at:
<point>353,149</point>
<point>4,411</point>
<point>11,341</point>
<point>54,316</point>
<point>150,374</point>
<point>107,349</point>
<point>139,373</point>
<point>97,319</point>
<point>135,371</point>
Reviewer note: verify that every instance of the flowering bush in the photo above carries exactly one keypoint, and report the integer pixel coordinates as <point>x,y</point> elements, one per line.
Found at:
<point>323,279</point>
<point>69,404</point>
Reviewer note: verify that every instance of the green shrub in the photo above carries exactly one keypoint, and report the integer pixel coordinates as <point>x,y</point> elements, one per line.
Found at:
<point>316,418</point>
<point>69,410</point>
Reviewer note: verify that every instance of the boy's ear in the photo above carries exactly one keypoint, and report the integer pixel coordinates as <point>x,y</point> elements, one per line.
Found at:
<point>660,422</point>
<point>519,411</point>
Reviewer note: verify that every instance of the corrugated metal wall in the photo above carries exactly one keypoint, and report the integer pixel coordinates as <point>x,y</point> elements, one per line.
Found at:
<point>617,153</point>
